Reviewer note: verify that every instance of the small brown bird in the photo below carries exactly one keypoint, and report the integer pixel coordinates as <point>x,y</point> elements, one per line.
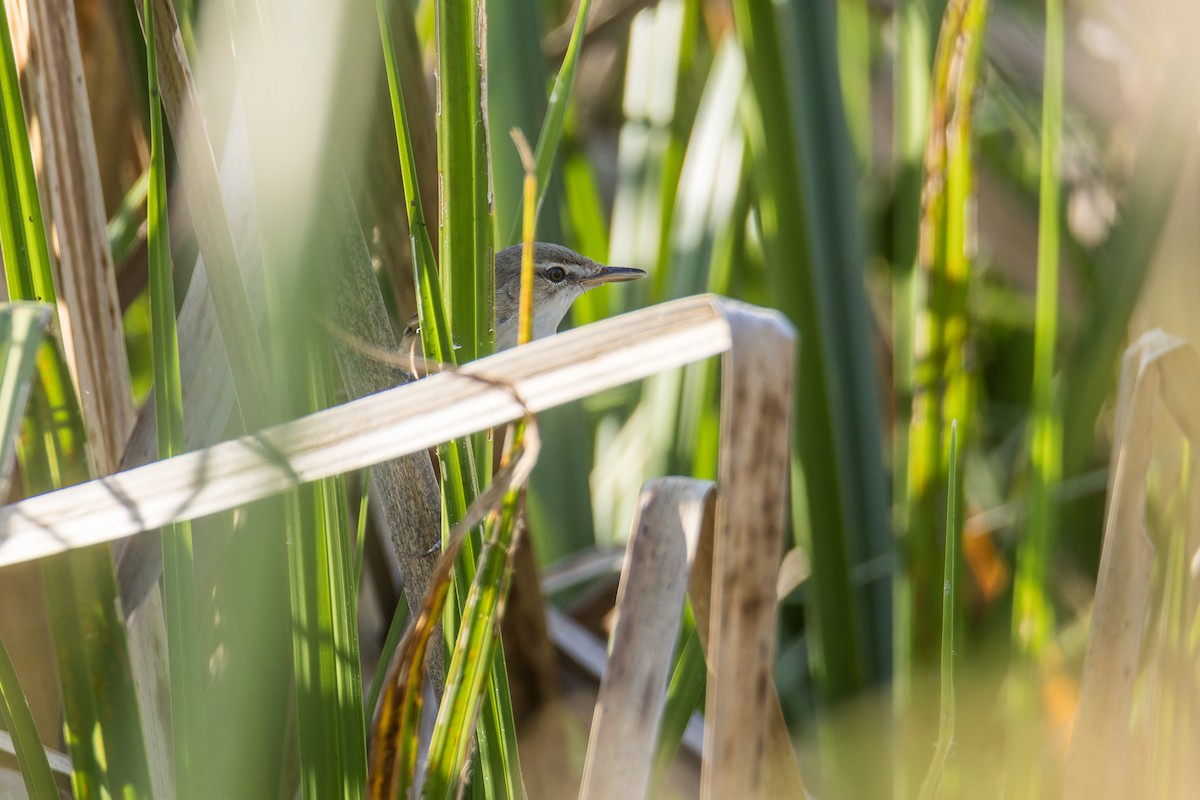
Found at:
<point>559,276</point>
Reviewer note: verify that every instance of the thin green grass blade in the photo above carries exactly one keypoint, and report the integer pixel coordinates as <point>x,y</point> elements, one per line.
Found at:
<point>465,225</point>
<point>914,52</point>
<point>438,346</point>
<point>22,231</point>
<point>22,329</point>
<point>325,645</point>
<point>22,326</point>
<point>18,721</point>
<point>1033,618</point>
<point>123,227</point>
<point>937,769</point>
<point>456,458</point>
<point>360,534</point>
<point>390,643</point>
<point>179,585</point>
<point>471,666</point>
<point>685,694</point>
<point>1033,609</point>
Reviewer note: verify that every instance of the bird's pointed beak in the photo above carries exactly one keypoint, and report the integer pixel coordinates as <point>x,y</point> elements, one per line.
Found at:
<point>613,275</point>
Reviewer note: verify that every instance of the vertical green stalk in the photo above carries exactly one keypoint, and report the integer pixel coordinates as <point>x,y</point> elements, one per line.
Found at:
<point>937,769</point>
<point>478,636</point>
<point>467,678</point>
<point>834,654</point>
<point>465,268</point>
<point>808,209</point>
<point>17,719</point>
<point>914,21</point>
<point>942,384</point>
<point>465,243</point>
<point>466,225</point>
<point>829,180</point>
<point>1033,612</point>
<point>22,327</point>
<point>325,644</point>
<point>460,63</point>
<point>179,588</point>
<point>101,722</point>
<point>435,328</point>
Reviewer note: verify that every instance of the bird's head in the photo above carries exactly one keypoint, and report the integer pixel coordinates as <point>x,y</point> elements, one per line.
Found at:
<point>559,276</point>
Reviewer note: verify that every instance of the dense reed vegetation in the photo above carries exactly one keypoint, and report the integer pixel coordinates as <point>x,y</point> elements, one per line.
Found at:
<point>969,211</point>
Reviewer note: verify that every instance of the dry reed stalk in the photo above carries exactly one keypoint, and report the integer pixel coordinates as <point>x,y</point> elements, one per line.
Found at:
<point>621,747</point>
<point>1156,368</point>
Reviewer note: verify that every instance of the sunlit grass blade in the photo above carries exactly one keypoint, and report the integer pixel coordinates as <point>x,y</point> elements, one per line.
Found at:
<point>937,769</point>
<point>457,460</point>
<point>943,385</point>
<point>465,227</point>
<point>914,52</point>
<point>360,534</point>
<point>395,724</point>
<point>18,721</point>
<point>325,645</point>
<point>461,469</point>
<point>182,614</point>
<point>1033,609</point>
<point>435,327</point>
<point>22,326</point>
<point>470,668</point>
<point>685,695</point>
<point>123,227</point>
<point>475,681</point>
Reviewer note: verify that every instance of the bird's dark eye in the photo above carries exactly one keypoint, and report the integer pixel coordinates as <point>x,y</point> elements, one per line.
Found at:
<point>555,274</point>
